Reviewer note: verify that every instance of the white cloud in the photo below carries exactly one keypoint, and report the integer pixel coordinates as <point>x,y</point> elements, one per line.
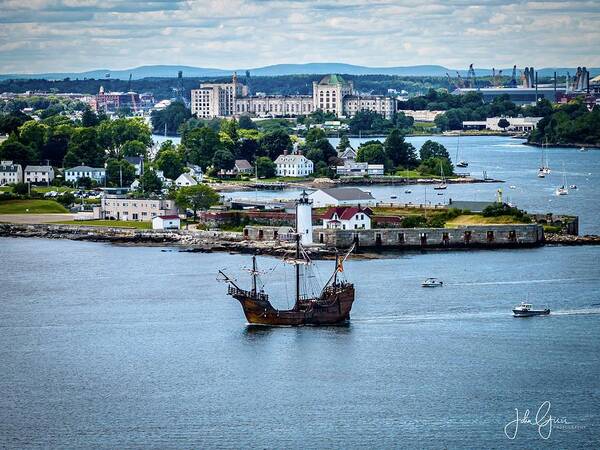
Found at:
<point>60,35</point>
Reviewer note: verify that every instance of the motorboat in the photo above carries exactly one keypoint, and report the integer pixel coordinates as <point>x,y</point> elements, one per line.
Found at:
<point>526,310</point>
<point>407,191</point>
<point>393,197</point>
<point>541,174</point>
<point>440,193</point>
<point>573,186</point>
<point>583,149</point>
<point>432,282</point>
<point>462,164</point>
<point>512,186</point>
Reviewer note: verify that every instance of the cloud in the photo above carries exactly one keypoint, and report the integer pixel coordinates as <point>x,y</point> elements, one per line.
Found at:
<point>72,35</point>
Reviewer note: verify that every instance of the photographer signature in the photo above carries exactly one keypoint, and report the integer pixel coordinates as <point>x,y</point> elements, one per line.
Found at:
<point>543,421</point>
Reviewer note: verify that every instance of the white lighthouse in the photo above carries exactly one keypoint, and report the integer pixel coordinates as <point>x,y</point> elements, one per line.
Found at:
<point>304,219</point>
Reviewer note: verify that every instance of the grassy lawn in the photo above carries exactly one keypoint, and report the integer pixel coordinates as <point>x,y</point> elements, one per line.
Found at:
<point>109,223</point>
<point>478,219</point>
<point>44,189</point>
<point>31,207</point>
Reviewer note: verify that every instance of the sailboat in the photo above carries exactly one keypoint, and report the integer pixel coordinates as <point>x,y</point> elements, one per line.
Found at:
<point>563,190</point>
<point>462,163</point>
<point>331,307</point>
<point>545,166</point>
<point>443,184</point>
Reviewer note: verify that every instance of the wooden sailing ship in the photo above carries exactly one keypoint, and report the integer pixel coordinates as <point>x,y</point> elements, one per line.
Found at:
<point>330,307</point>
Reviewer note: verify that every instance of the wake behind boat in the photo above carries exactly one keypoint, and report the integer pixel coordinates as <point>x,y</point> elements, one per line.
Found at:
<point>526,310</point>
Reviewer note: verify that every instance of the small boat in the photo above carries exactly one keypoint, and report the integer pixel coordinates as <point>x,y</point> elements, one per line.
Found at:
<point>573,186</point>
<point>432,282</point>
<point>393,196</point>
<point>440,193</point>
<point>407,191</point>
<point>462,163</point>
<point>512,186</point>
<point>541,174</point>
<point>583,149</point>
<point>526,310</point>
<point>442,184</point>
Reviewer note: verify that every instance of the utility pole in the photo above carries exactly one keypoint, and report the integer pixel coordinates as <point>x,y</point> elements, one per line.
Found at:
<point>120,175</point>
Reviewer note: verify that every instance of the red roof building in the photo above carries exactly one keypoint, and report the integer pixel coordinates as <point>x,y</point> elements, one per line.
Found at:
<point>348,218</point>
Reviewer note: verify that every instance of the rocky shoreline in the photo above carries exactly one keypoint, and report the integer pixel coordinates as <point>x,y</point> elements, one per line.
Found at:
<point>218,241</point>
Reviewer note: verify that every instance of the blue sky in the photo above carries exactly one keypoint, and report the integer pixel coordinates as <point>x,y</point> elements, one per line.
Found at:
<point>77,35</point>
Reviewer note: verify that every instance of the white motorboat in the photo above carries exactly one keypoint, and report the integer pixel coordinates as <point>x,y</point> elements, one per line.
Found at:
<point>526,310</point>
<point>407,191</point>
<point>432,282</point>
<point>573,186</point>
<point>512,186</point>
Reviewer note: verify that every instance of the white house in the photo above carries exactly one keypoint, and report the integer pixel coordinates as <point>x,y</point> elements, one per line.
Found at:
<point>358,169</point>
<point>10,173</point>
<point>242,167</point>
<point>171,222</point>
<point>98,174</point>
<point>293,166</point>
<point>341,197</point>
<point>196,172</point>
<point>348,218</point>
<point>185,179</point>
<point>39,174</point>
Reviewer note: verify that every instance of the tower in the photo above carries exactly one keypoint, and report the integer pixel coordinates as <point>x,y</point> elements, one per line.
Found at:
<point>304,219</point>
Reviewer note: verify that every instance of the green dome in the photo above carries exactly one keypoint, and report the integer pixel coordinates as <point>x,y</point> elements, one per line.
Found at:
<point>332,79</point>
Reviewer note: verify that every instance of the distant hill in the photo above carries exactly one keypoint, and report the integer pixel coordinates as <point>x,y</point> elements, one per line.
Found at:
<point>168,71</point>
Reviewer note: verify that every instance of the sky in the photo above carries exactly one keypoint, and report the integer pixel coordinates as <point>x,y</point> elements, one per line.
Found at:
<point>79,35</point>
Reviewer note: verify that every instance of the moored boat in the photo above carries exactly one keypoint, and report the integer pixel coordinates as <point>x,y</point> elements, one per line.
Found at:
<point>432,282</point>
<point>526,310</point>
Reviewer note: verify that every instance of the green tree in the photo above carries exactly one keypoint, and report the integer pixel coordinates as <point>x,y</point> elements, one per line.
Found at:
<point>247,149</point>
<point>150,182</point>
<point>57,143</point>
<point>119,169</point>
<point>274,143</point>
<point>10,123</point>
<point>504,124</point>
<point>431,149</point>
<point>343,144</point>
<point>170,162</point>
<point>223,160</point>
<point>21,188</point>
<point>89,118</point>
<point>196,198</point>
<point>431,166</point>
<point>85,182</point>
<point>13,150</point>
<point>265,168</point>
<point>371,152</point>
<point>113,134</point>
<point>83,148</point>
<point>33,135</point>
<point>400,152</point>
<point>173,116</point>
<point>230,128</point>
<point>200,146</point>
<point>246,123</point>
<point>134,148</point>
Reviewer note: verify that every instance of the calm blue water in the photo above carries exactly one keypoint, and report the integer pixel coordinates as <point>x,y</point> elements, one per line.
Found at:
<point>124,347</point>
<point>508,160</point>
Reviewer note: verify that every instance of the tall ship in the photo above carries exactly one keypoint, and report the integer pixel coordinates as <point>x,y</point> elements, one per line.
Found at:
<point>330,306</point>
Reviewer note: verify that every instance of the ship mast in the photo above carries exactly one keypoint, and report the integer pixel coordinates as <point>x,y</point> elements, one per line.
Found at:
<point>254,275</point>
<point>297,267</point>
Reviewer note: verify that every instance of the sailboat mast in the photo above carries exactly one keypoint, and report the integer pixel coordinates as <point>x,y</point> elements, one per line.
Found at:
<point>297,266</point>
<point>254,275</point>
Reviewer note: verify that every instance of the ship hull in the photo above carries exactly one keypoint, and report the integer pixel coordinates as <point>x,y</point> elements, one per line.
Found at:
<point>530,313</point>
<point>330,309</point>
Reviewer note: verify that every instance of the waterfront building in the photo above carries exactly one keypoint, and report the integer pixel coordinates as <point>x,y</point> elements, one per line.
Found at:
<point>39,174</point>
<point>293,166</point>
<point>517,95</point>
<point>185,179</point>
<point>348,218</point>
<point>242,167</point>
<point>425,115</point>
<point>342,197</point>
<point>172,222</point>
<point>357,169</point>
<point>195,171</point>
<point>10,173</point>
<point>331,94</point>
<point>121,207</point>
<point>97,174</point>
<point>491,123</point>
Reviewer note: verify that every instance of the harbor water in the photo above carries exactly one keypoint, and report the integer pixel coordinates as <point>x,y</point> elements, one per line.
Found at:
<point>505,159</point>
<point>108,346</point>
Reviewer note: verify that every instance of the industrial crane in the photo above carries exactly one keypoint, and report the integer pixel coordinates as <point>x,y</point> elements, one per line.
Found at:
<point>471,77</point>
<point>460,82</point>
